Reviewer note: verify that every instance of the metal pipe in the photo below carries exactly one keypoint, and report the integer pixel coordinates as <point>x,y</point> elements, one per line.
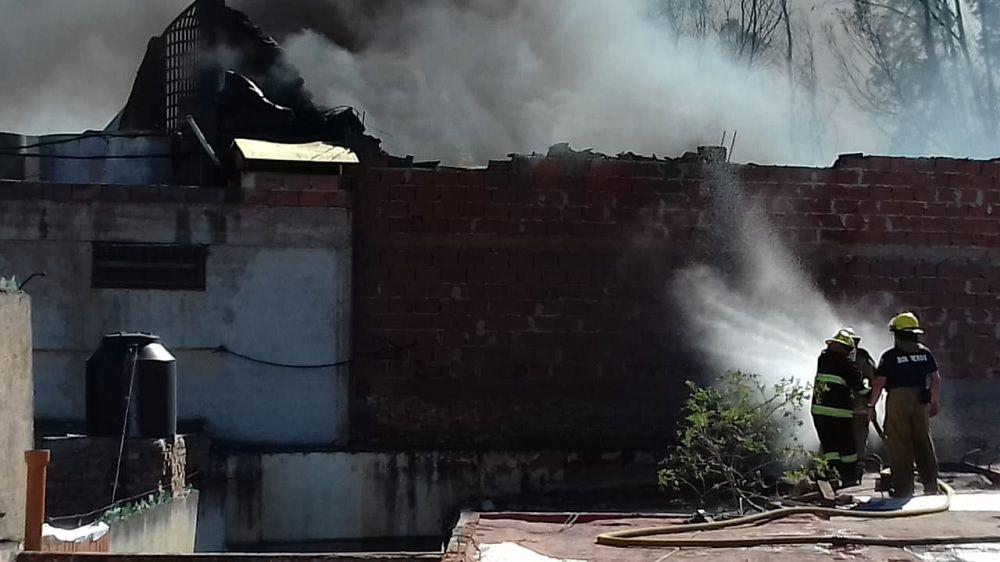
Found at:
<point>203,141</point>
<point>34,509</point>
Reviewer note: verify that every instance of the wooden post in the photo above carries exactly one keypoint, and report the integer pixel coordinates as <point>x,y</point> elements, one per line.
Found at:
<point>34,512</point>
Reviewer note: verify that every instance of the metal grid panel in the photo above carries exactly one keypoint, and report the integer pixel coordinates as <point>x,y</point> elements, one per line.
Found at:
<point>181,40</point>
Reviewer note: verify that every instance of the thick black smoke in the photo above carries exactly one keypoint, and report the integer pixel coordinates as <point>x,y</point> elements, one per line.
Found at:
<point>351,24</point>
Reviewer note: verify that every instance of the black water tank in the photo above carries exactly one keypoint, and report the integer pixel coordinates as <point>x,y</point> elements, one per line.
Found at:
<point>153,410</point>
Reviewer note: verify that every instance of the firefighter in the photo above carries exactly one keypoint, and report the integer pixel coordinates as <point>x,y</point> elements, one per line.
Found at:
<point>865,364</point>
<point>909,373</point>
<point>837,381</point>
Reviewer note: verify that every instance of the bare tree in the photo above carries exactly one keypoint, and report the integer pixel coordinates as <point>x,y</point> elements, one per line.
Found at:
<point>919,68</point>
<point>746,27</point>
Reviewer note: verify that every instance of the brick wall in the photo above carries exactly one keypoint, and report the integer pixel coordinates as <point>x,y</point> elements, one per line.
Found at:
<point>81,473</point>
<point>533,292</point>
<point>925,231</point>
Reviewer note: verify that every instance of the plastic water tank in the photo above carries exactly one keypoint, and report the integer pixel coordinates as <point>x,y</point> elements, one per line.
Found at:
<point>153,409</point>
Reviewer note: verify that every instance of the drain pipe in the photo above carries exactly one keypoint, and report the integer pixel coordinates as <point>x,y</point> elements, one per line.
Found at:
<point>34,509</point>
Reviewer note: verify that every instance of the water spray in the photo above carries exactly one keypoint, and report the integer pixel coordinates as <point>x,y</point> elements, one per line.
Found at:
<point>754,308</point>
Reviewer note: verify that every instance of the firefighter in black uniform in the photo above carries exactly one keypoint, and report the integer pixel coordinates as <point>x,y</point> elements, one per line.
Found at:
<point>838,380</point>
<point>866,364</point>
<point>910,374</point>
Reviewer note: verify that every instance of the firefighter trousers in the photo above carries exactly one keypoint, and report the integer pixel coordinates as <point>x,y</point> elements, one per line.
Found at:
<point>836,440</point>
<point>908,436</point>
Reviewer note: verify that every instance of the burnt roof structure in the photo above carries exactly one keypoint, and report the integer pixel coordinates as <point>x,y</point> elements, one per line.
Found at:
<point>214,64</point>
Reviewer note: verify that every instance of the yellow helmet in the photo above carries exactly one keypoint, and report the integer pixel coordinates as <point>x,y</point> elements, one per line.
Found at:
<point>854,335</point>
<point>905,322</point>
<point>842,337</point>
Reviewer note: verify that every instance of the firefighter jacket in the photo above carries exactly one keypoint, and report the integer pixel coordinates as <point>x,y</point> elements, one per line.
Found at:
<point>838,381</point>
<point>866,364</point>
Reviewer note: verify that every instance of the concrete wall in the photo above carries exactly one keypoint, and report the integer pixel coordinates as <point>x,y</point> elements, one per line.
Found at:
<point>94,169</point>
<point>8,551</point>
<point>16,419</point>
<point>75,158</point>
<point>316,497</point>
<point>277,288</point>
<point>167,528</point>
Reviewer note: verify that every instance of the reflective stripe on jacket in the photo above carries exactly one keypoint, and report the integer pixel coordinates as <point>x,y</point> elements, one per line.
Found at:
<point>837,382</point>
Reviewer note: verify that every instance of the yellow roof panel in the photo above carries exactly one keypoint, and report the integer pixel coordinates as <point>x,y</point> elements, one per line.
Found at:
<point>318,152</point>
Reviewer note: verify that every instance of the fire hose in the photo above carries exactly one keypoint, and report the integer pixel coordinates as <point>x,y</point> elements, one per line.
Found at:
<point>652,536</point>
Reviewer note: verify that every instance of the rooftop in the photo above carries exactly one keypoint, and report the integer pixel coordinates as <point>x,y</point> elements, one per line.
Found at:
<point>544,537</point>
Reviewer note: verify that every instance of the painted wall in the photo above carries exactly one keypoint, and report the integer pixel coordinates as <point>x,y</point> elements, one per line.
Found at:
<point>325,496</point>
<point>8,551</point>
<point>79,158</point>
<point>277,288</point>
<point>167,528</point>
<point>16,407</point>
<point>156,170</point>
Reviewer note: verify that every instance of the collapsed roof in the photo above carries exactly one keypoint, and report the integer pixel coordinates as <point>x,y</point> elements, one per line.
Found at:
<point>214,64</point>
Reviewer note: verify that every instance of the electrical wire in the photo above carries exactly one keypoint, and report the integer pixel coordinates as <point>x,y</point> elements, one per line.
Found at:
<point>341,363</point>
<point>79,517</point>
<point>382,352</point>
<point>128,402</point>
<point>101,157</point>
<point>75,138</point>
<point>224,349</point>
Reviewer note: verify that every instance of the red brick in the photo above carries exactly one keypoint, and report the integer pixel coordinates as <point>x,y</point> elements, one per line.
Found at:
<point>116,193</point>
<point>846,206</point>
<point>519,261</point>
<point>447,209</point>
<point>479,194</point>
<point>394,209</point>
<point>311,198</point>
<point>453,194</point>
<point>806,235</point>
<point>402,193</point>
<point>83,192</point>
<point>958,166</point>
<point>283,198</point>
<point>337,198</point>
<point>958,180</point>
<point>427,193</point>
<point>850,177</point>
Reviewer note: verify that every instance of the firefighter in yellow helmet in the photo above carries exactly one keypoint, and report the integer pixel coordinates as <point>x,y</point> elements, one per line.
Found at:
<point>837,382</point>
<point>909,373</point>
<point>866,364</point>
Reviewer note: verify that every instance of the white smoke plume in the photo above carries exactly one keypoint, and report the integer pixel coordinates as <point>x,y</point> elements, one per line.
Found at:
<point>757,310</point>
<point>469,81</point>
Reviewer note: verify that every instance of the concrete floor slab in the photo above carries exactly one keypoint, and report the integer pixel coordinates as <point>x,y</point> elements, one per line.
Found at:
<point>558,537</point>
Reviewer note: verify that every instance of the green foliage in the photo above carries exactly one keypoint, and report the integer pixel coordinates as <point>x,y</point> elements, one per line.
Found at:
<point>736,439</point>
<point>132,508</point>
